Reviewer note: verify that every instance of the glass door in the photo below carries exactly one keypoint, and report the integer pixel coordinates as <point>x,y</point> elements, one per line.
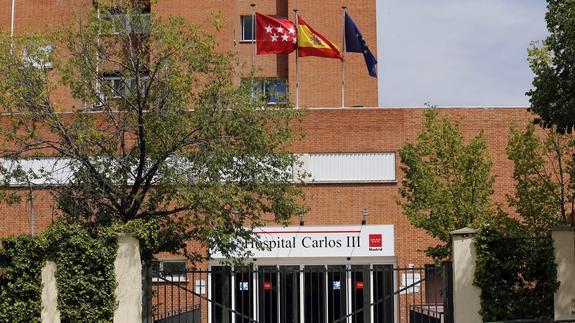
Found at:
<point>336,293</point>
<point>289,294</point>
<point>383,293</point>
<point>268,294</point>
<point>360,294</point>
<point>221,294</point>
<point>314,294</point>
<point>244,295</point>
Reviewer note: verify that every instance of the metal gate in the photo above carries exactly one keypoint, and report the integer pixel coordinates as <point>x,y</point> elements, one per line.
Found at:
<point>301,294</point>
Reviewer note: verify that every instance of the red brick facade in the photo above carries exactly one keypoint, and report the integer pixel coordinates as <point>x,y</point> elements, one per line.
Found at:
<point>353,130</point>
<point>320,78</point>
<point>327,129</point>
<point>387,130</point>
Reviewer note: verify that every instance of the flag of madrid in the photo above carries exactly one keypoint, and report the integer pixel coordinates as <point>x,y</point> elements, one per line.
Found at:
<point>274,35</point>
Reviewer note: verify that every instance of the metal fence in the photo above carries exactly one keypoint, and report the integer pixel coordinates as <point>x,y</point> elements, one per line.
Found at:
<point>294,294</point>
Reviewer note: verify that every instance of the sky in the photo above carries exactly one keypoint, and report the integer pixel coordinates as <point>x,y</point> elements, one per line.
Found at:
<point>456,52</point>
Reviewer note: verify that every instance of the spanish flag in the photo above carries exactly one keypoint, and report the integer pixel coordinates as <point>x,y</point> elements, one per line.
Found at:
<point>312,43</point>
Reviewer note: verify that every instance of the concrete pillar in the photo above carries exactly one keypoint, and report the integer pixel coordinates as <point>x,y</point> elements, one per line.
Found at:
<point>564,250</point>
<point>466,296</point>
<point>49,297</point>
<point>128,271</point>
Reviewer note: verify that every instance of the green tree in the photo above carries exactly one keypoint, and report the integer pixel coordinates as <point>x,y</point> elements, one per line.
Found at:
<point>543,171</point>
<point>447,183</point>
<point>163,136</point>
<point>553,62</point>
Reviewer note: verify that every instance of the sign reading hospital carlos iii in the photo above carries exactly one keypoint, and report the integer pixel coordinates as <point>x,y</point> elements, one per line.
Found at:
<point>328,241</point>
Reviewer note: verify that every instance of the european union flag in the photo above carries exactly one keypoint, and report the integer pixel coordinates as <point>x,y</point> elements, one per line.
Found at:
<point>354,42</point>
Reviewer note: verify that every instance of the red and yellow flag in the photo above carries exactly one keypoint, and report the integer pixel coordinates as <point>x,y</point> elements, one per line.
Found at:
<point>312,43</point>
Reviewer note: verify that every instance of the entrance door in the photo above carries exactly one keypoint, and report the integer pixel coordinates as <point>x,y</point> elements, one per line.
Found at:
<point>360,294</point>
<point>289,294</point>
<point>268,294</point>
<point>383,293</point>
<point>221,296</point>
<point>336,293</point>
<point>314,294</point>
<point>244,295</point>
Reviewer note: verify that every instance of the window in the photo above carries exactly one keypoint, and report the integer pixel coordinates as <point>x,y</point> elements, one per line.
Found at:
<point>169,270</point>
<point>272,90</point>
<point>118,86</point>
<point>120,22</point>
<point>38,57</point>
<point>248,32</point>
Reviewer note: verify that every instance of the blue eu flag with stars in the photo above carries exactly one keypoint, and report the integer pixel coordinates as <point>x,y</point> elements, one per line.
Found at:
<point>354,42</point>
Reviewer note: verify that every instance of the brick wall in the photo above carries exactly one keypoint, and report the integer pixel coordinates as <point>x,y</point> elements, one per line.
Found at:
<point>328,130</point>
<point>41,15</point>
<point>320,78</point>
<point>387,130</point>
<point>353,130</point>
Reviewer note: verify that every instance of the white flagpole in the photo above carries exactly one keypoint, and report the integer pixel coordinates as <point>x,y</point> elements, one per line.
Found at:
<point>12,26</point>
<point>252,73</point>
<point>253,5</point>
<point>343,62</point>
<point>296,63</point>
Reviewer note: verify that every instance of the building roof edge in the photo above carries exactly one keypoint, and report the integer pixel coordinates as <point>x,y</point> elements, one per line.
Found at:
<point>455,107</point>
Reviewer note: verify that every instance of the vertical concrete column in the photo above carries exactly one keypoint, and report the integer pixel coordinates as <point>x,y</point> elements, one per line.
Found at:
<point>466,296</point>
<point>128,271</point>
<point>564,251</point>
<point>49,297</point>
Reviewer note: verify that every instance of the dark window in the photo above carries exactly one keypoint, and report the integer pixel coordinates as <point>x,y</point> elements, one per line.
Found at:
<point>169,270</point>
<point>248,32</point>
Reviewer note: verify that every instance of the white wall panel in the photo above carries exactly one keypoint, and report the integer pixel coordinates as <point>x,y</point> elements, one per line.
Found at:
<point>350,167</point>
<point>38,171</point>
<point>323,168</point>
